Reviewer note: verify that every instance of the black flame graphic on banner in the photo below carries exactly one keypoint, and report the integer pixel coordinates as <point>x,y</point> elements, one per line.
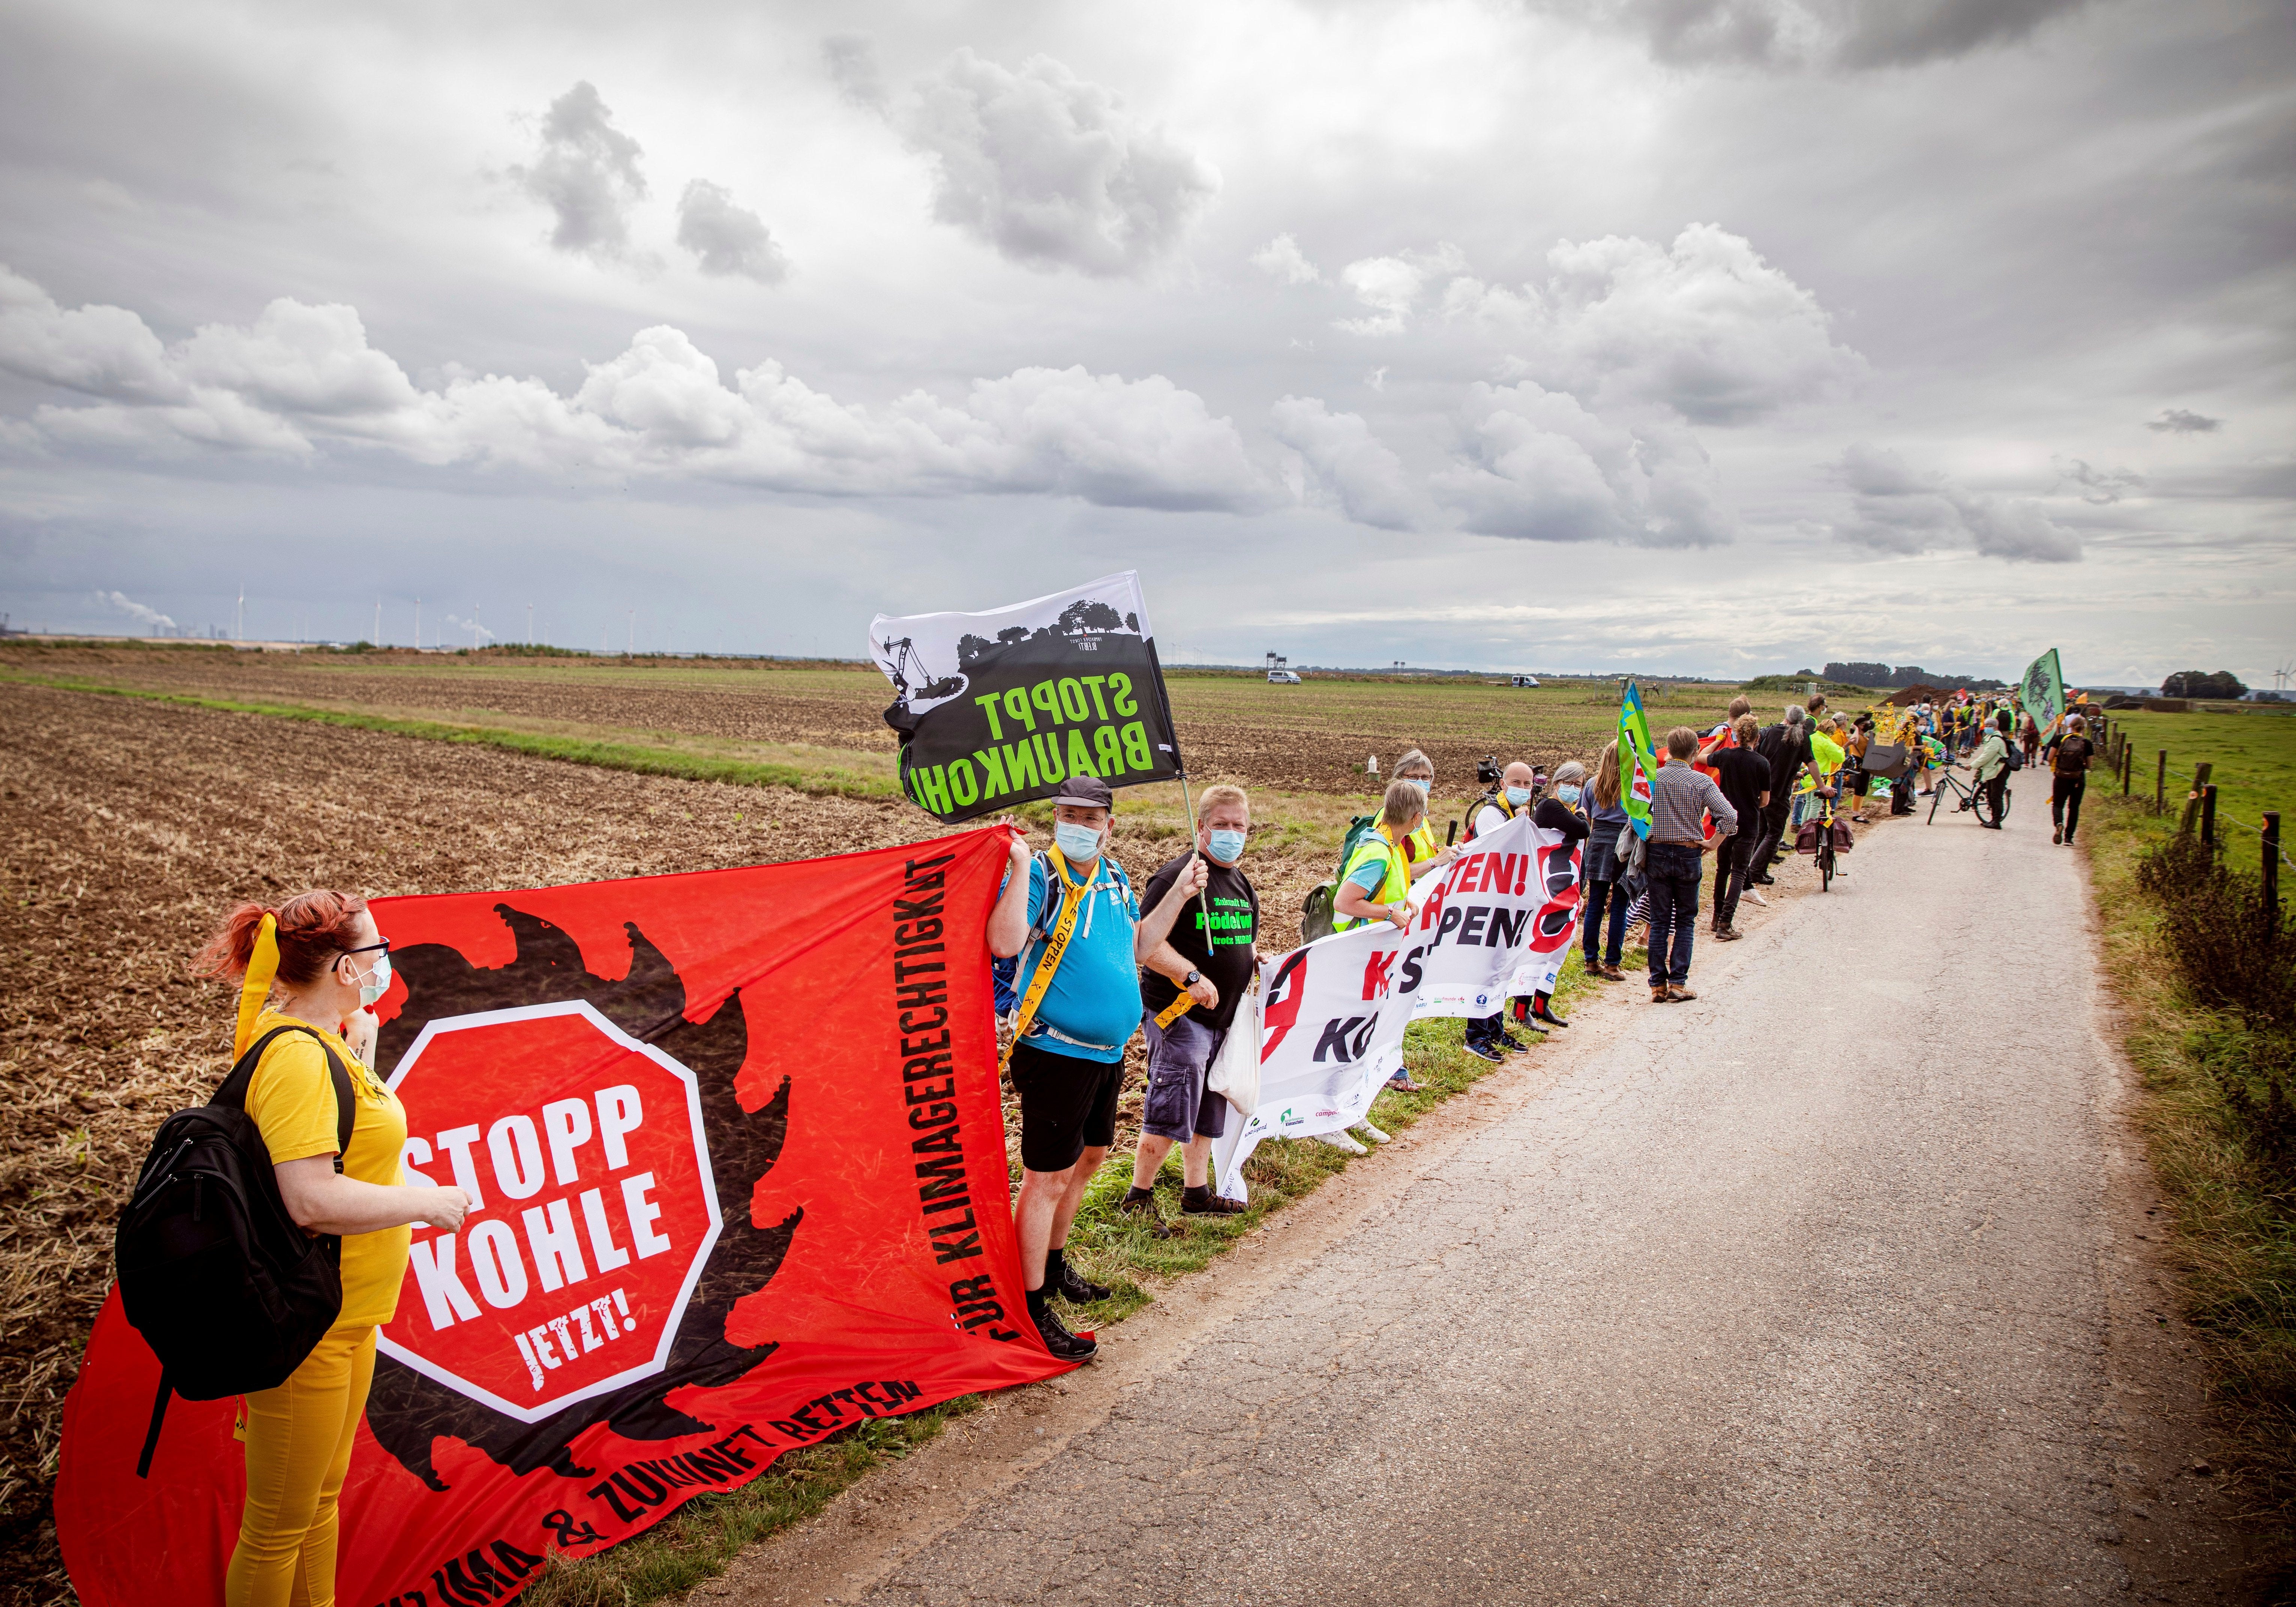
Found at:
<point>409,1412</point>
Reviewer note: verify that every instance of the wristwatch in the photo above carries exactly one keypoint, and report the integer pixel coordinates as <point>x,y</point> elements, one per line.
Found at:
<point>1191,978</point>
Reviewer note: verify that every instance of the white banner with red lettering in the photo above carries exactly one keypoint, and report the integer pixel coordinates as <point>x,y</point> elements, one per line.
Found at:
<point>1331,1029</point>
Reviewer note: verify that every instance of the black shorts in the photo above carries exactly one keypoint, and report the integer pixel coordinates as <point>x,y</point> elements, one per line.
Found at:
<point>1066,1104</point>
<point>1855,781</point>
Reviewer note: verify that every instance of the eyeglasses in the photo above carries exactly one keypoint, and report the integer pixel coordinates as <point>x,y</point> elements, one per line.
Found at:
<point>369,949</point>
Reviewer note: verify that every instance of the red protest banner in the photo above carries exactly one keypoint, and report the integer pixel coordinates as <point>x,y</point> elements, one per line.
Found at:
<point>738,1162</point>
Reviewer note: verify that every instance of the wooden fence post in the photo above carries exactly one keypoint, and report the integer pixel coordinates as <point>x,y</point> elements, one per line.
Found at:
<point>2209,816</point>
<point>2160,785</point>
<point>2126,753</point>
<point>2192,799</point>
<point>2271,871</point>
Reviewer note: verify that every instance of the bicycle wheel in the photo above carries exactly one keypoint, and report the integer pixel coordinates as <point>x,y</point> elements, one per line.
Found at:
<point>1826,860</point>
<point>1937,797</point>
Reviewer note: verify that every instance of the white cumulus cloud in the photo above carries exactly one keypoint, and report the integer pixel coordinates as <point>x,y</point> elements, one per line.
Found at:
<point>1391,286</point>
<point>1351,462</point>
<point>1281,258</point>
<point>1704,326</point>
<point>1539,467</point>
<point>1898,510</point>
<point>1053,170</point>
<point>302,379</point>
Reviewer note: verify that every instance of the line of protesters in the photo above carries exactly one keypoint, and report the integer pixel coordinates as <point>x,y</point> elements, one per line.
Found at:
<point>1088,961</point>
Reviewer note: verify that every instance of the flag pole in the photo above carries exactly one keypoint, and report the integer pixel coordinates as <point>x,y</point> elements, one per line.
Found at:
<point>1195,845</point>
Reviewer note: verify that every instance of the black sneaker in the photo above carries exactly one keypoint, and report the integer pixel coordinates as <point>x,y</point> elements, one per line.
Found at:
<point>1203,1203</point>
<point>1076,1289</point>
<point>1065,1345</point>
<point>1513,1044</point>
<point>1489,1051</point>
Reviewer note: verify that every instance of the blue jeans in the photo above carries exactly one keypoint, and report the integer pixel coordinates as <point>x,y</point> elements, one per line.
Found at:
<point>1673,874</point>
<point>1597,894</point>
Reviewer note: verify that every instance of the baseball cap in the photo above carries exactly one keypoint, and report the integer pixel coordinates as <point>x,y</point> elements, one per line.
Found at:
<point>1086,792</point>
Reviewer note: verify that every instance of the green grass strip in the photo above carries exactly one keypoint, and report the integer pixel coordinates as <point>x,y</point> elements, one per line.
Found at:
<point>574,751</point>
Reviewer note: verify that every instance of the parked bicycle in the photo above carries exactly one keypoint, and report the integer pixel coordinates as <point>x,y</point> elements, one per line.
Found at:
<point>1817,831</point>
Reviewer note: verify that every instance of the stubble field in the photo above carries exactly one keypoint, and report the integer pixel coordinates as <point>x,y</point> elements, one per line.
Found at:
<point>1313,737</point>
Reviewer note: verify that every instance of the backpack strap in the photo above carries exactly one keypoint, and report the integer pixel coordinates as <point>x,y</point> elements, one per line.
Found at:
<point>151,1434</point>
<point>1073,894</point>
<point>233,1095</point>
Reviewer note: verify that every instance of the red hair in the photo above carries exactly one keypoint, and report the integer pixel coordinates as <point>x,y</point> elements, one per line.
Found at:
<point>313,927</point>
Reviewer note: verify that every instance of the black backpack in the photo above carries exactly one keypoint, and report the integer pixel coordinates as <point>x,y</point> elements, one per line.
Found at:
<point>2014,759</point>
<point>229,1292</point>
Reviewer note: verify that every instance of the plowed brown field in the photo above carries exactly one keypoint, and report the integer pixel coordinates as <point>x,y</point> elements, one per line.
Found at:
<point>1313,737</point>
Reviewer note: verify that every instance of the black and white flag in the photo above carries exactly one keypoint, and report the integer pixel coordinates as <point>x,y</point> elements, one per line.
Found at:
<point>995,709</point>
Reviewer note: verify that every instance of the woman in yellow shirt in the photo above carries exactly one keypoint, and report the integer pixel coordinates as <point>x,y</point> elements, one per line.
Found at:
<point>316,961</point>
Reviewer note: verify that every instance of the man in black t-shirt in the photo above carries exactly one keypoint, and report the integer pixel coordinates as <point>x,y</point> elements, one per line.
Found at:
<point>1214,967</point>
<point>1785,749</point>
<point>1743,774</point>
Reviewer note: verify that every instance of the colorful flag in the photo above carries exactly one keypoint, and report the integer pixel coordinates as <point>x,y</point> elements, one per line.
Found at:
<point>1636,759</point>
<point>994,709</point>
<point>705,1230</point>
<point>2043,690</point>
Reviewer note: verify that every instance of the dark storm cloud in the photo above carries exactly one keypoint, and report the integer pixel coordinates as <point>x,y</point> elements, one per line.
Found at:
<point>1052,170</point>
<point>1898,510</point>
<point>2178,421</point>
<point>587,173</point>
<point>727,238</point>
<point>1849,34</point>
<point>852,66</point>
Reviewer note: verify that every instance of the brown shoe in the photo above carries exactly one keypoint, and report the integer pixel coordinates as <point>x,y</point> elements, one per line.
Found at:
<point>1660,995</point>
<point>1679,995</point>
<point>1611,973</point>
<point>1728,934</point>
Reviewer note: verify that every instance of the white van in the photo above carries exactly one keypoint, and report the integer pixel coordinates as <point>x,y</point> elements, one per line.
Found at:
<point>1282,678</point>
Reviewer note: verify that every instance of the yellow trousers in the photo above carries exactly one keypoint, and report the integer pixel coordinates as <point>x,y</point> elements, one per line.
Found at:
<point>298,1444</point>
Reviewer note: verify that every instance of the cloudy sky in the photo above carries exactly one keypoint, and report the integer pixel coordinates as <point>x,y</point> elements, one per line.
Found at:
<point>1684,335</point>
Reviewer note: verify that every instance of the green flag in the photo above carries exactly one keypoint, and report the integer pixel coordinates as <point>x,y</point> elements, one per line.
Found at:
<point>2043,691</point>
<point>1636,759</point>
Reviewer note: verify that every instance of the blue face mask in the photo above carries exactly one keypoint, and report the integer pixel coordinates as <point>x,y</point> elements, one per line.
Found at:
<point>1567,792</point>
<point>1227,847</point>
<point>1518,796</point>
<point>1421,781</point>
<point>1079,845</point>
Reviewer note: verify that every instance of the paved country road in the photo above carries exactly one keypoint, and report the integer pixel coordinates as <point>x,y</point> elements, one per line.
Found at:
<point>1826,1288</point>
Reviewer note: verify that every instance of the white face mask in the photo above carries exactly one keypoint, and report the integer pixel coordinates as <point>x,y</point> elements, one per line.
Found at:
<point>377,981</point>
<point>1079,845</point>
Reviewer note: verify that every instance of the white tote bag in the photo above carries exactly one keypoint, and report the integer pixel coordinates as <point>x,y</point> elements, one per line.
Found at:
<point>1234,1071</point>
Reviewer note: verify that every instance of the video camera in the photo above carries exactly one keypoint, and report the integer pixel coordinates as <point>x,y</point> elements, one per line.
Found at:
<point>1487,770</point>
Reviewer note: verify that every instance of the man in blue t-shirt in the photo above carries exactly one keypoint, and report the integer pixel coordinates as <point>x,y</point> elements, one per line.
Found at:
<point>1068,1062</point>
